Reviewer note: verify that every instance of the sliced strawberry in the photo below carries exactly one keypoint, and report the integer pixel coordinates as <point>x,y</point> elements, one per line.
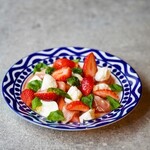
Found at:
<point>104,93</point>
<point>27,96</point>
<point>61,103</point>
<point>87,85</point>
<point>62,85</point>
<point>62,74</point>
<point>77,105</point>
<point>63,62</point>
<point>101,105</point>
<point>46,96</point>
<point>90,66</point>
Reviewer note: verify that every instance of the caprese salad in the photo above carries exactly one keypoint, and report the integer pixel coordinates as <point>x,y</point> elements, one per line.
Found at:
<point>68,91</point>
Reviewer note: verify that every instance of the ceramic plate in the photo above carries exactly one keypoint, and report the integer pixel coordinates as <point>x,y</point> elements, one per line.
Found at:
<point>17,74</point>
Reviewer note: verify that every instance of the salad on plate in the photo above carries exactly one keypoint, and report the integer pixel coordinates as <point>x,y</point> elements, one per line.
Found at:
<point>68,91</point>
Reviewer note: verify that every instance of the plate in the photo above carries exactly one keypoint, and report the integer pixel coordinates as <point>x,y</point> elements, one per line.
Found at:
<point>13,82</point>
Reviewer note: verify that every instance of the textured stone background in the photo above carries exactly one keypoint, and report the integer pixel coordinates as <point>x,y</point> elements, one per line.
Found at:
<point>120,27</point>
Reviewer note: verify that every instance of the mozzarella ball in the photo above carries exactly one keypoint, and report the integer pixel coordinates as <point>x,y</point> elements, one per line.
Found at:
<point>102,74</point>
<point>87,115</point>
<point>74,93</point>
<point>48,82</point>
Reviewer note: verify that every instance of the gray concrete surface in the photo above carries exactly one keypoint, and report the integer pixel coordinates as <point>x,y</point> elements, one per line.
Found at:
<point>120,27</point>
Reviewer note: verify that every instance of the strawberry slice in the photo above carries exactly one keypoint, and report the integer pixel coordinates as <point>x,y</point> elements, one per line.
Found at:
<point>104,93</point>
<point>61,103</point>
<point>90,66</point>
<point>27,96</point>
<point>46,96</point>
<point>78,106</point>
<point>62,74</point>
<point>63,62</point>
<point>87,85</point>
<point>62,85</point>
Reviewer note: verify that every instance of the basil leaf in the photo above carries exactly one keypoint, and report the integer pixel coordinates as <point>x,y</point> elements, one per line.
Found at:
<point>34,85</point>
<point>73,81</point>
<point>59,92</point>
<point>116,87</point>
<point>76,60</point>
<point>36,103</point>
<point>77,70</point>
<point>88,100</point>
<point>113,103</point>
<point>49,70</point>
<point>39,67</point>
<point>56,116</point>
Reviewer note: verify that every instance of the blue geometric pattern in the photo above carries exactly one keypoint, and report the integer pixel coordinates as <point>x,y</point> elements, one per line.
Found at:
<point>13,82</point>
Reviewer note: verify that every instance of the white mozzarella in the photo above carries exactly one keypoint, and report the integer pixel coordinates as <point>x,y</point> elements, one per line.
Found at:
<point>48,82</point>
<point>47,107</point>
<point>102,74</point>
<point>74,93</point>
<point>87,115</point>
<point>101,86</point>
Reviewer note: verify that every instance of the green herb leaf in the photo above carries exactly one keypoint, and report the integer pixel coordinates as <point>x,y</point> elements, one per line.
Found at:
<point>77,70</point>
<point>113,103</point>
<point>36,103</point>
<point>34,85</point>
<point>49,70</point>
<point>88,100</point>
<point>39,67</point>
<point>116,87</point>
<point>59,92</point>
<point>73,81</point>
<point>56,116</point>
<point>76,60</point>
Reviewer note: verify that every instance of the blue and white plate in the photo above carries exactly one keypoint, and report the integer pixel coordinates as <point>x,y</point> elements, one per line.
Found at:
<point>17,74</point>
